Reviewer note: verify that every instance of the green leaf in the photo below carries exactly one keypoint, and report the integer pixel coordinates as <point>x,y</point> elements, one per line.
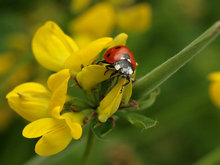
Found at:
<point>79,104</point>
<point>137,119</point>
<point>146,103</point>
<point>101,129</point>
<point>145,85</point>
<point>93,96</point>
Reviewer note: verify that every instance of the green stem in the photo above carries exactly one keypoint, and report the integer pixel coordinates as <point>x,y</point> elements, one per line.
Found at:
<point>148,83</point>
<point>89,148</point>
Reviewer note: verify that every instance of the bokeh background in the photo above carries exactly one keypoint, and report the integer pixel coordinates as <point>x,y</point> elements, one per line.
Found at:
<point>188,122</point>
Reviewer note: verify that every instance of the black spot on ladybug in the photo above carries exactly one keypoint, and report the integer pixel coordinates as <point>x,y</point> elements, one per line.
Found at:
<point>118,47</point>
<point>126,56</point>
<point>108,54</point>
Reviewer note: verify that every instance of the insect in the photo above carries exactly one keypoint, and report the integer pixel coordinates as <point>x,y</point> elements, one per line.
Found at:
<point>122,60</point>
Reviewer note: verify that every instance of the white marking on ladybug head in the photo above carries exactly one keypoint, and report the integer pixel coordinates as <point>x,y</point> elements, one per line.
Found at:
<point>123,58</point>
<point>124,67</point>
<point>127,70</point>
<point>117,67</point>
<point>130,70</point>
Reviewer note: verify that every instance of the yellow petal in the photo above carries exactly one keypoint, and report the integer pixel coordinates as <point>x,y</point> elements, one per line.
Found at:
<point>52,47</point>
<point>42,126</point>
<point>53,142</point>
<point>30,100</point>
<point>83,39</point>
<point>214,91</point>
<point>79,5</point>
<point>74,122</point>
<point>56,79</point>
<point>110,104</point>
<point>214,76</point>
<point>86,55</point>
<point>58,83</point>
<point>127,92</point>
<point>75,129</point>
<point>76,117</point>
<point>97,21</point>
<point>55,112</point>
<point>92,75</point>
<point>120,39</point>
<point>135,19</point>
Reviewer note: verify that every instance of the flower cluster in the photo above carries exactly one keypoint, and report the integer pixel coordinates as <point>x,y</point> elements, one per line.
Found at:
<point>44,106</point>
<point>102,18</point>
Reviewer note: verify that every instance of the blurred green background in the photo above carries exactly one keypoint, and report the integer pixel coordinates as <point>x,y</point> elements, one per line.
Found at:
<point>188,122</point>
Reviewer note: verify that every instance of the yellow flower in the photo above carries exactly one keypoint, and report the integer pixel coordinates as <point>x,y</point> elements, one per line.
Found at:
<point>56,131</point>
<point>110,104</point>
<point>43,106</point>
<point>94,74</point>
<point>79,62</point>
<point>214,88</point>
<point>96,22</point>
<point>134,19</point>
<point>87,55</point>
<point>30,100</point>
<point>52,47</point>
<point>83,39</point>
<point>55,50</point>
<point>101,19</point>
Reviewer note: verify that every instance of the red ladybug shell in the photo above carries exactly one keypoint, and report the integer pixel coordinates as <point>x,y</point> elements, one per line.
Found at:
<point>115,54</point>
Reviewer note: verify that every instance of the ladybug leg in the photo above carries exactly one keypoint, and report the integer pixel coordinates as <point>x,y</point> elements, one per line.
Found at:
<point>114,73</point>
<point>107,67</point>
<point>102,61</point>
<point>128,78</point>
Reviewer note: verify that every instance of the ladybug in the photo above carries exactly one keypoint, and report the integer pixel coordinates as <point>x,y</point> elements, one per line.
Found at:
<point>122,60</point>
